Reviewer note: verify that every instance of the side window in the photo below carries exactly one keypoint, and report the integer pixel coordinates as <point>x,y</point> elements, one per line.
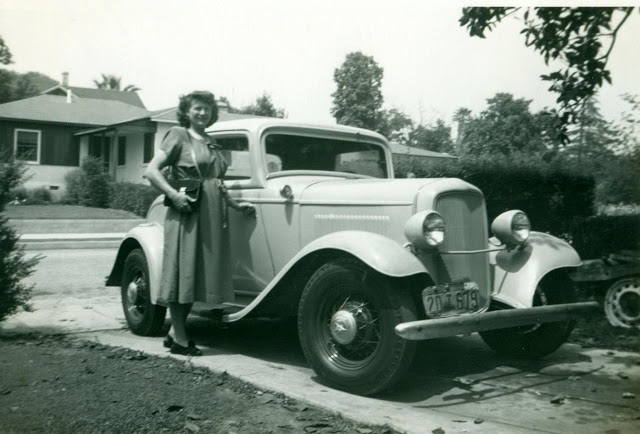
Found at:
<point>235,149</point>
<point>27,145</point>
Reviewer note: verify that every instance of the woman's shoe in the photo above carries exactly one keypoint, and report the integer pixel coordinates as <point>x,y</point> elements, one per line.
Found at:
<point>190,350</point>
<point>168,341</point>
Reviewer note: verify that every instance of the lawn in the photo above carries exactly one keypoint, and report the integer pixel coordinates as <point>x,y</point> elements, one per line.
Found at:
<point>62,212</point>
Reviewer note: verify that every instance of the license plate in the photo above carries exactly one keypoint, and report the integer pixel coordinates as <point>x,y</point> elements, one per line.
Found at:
<point>451,299</point>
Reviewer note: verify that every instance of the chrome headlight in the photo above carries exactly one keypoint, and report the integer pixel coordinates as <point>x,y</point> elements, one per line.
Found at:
<point>512,228</point>
<point>425,230</point>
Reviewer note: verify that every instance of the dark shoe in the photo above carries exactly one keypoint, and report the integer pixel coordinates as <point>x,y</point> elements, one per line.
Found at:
<point>168,341</point>
<point>191,350</point>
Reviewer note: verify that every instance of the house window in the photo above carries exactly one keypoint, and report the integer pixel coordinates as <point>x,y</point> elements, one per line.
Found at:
<point>100,147</point>
<point>148,147</point>
<point>27,145</point>
<point>122,151</point>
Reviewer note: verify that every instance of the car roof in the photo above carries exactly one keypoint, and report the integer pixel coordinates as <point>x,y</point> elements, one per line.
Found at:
<point>260,123</point>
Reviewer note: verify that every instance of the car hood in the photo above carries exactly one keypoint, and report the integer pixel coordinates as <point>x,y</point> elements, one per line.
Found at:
<point>376,191</point>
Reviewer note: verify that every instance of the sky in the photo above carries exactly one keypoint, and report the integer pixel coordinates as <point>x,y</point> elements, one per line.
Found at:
<point>290,49</point>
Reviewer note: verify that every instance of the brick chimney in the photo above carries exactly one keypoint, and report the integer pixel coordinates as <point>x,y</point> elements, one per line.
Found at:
<point>65,79</point>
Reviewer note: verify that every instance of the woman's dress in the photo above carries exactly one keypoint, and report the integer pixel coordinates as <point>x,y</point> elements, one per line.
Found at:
<point>196,263</point>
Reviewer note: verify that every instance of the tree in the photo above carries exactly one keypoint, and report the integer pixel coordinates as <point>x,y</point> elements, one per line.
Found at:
<point>358,99</point>
<point>5,53</point>
<point>435,138</point>
<point>13,266</point>
<point>262,107</point>
<point>581,38</point>
<point>395,126</point>
<point>505,127</point>
<point>113,82</point>
<point>15,86</point>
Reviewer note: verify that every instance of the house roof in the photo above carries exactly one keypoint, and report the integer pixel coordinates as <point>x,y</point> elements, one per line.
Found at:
<point>80,111</point>
<point>131,98</point>
<point>398,148</point>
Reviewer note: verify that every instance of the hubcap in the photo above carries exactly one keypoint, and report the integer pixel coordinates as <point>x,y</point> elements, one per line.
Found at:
<point>132,292</point>
<point>344,327</point>
<point>622,303</point>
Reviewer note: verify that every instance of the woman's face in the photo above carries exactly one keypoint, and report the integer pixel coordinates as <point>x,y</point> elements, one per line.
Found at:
<point>199,114</point>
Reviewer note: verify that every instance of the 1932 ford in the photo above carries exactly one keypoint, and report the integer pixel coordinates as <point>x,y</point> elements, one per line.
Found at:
<point>369,264</point>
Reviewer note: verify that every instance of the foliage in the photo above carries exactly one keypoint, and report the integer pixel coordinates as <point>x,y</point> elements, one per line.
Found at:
<point>13,266</point>
<point>358,99</point>
<point>262,107</point>
<point>15,86</point>
<point>31,196</point>
<point>550,194</point>
<point>505,127</point>
<point>435,138</point>
<point>113,82</point>
<point>574,36</point>
<point>5,53</point>
<point>89,185</point>
<point>597,236</point>
<point>136,198</point>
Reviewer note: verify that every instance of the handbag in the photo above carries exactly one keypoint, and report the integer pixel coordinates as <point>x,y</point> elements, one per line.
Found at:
<point>190,187</point>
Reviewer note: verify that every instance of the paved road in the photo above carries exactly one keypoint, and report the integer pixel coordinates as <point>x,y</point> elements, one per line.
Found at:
<point>456,384</point>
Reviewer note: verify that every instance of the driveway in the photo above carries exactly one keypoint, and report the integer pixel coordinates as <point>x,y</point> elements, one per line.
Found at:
<point>456,385</point>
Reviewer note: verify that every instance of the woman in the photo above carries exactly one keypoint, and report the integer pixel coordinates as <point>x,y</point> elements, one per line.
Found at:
<point>196,263</point>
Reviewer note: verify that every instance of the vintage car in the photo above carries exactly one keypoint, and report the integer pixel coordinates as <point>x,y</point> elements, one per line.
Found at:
<point>367,263</point>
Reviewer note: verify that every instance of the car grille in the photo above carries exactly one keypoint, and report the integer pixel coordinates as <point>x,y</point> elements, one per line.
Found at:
<point>466,229</point>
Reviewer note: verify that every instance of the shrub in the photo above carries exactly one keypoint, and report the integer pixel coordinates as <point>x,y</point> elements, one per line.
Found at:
<point>135,198</point>
<point>597,236</point>
<point>31,196</point>
<point>89,185</point>
<point>13,266</point>
<point>550,195</point>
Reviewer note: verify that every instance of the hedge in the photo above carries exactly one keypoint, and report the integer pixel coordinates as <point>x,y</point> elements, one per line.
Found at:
<point>597,236</point>
<point>551,196</point>
<point>135,198</point>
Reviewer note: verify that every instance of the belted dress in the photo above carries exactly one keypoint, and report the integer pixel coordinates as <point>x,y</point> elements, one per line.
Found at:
<point>196,259</point>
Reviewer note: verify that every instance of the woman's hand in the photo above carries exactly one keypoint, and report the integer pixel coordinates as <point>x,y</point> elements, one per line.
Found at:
<point>247,209</point>
<point>181,202</point>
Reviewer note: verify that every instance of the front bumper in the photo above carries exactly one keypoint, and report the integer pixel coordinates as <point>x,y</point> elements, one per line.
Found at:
<point>498,319</point>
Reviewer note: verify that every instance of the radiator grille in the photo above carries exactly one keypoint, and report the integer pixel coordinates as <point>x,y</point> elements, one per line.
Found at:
<point>466,229</point>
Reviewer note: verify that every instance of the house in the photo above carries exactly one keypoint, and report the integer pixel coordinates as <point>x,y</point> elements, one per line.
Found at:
<point>54,131</point>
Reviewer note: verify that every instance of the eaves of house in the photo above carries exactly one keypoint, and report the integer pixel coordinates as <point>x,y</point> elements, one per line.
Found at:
<point>71,111</point>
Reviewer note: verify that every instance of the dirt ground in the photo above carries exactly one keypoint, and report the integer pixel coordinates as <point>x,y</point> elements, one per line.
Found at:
<point>54,384</point>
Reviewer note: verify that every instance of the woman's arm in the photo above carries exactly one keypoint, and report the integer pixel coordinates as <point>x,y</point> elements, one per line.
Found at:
<point>155,177</point>
<point>246,208</point>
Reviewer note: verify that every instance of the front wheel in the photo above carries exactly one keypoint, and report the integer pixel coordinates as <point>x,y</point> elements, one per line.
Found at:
<point>143,317</point>
<point>346,324</point>
<point>538,340</point>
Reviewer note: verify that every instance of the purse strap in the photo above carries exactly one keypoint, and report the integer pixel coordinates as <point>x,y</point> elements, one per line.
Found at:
<point>193,154</point>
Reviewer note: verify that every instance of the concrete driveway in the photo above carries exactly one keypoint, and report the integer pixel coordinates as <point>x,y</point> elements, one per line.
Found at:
<point>456,385</point>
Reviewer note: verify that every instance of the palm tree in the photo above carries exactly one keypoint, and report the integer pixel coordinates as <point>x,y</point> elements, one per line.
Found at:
<point>113,82</point>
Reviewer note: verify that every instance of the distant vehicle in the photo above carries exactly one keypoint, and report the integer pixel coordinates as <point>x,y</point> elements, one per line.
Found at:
<point>367,263</point>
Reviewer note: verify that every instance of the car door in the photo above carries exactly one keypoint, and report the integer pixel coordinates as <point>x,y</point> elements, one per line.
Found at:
<point>252,264</point>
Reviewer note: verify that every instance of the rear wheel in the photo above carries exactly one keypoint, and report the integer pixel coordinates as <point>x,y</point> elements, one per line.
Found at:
<point>143,317</point>
<point>536,340</point>
<point>346,324</point>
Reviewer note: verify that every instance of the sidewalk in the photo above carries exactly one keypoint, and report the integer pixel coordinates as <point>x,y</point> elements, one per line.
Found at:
<point>72,234</point>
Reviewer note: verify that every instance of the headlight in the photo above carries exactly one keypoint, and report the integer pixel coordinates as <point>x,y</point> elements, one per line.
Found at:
<point>512,228</point>
<point>425,230</point>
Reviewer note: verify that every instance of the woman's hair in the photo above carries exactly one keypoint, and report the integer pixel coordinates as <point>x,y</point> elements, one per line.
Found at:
<point>185,104</point>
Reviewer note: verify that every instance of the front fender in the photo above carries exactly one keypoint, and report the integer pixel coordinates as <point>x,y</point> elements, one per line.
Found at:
<point>150,238</point>
<point>377,251</point>
<point>516,273</point>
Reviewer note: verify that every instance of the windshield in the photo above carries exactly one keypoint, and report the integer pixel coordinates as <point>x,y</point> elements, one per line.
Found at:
<point>293,152</point>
